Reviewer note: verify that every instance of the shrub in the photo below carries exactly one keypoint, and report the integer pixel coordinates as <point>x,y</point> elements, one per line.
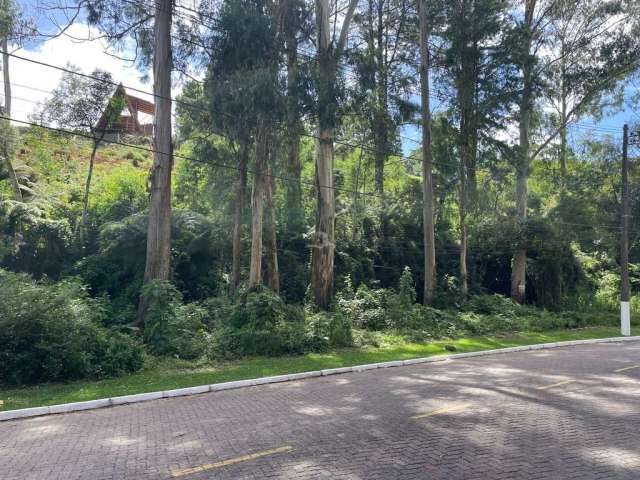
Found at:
<point>340,334</point>
<point>492,304</point>
<point>431,322</point>
<point>52,332</point>
<point>367,309</point>
<point>119,354</point>
<point>406,289</point>
<point>401,305</point>
<point>329,329</point>
<point>172,328</point>
<point>261,324</point>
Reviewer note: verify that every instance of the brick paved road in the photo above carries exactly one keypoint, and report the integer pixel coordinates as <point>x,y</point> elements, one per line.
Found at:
<point>482,418</point>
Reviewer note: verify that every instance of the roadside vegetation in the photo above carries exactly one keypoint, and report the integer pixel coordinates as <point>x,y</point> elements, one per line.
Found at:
<point>292,220</point>
<point>166,373</point>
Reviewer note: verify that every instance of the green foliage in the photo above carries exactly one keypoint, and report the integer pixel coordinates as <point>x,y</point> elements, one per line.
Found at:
<point>46,239</point>
<point>261,323</point>
<point>172,328</point>
<point>406,289</point>
<point>367,308</point>
<point>52,332</point>
<point>79,102</point>
<point>329,329</point>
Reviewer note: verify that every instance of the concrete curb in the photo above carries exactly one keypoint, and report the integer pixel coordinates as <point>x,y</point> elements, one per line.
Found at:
<point>216,387</point>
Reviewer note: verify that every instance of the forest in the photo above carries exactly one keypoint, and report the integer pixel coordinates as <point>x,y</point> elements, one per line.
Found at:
<point>328,173</point>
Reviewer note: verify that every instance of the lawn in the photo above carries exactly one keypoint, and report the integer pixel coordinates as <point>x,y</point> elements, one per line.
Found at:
<point>166,374</point>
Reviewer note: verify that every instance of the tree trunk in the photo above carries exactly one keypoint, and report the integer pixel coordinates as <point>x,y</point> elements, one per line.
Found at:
<point>87,188</point>
<point>17,192</point>
<point>563,135</point>
<point>563,115</point>
<point>295,213</point>
<point>519,262</point>
<point>462,208</point>
<point>467,92</point>
<point>323,248</point>
<point>238,215</point>
<point>322,257</point>
<point>381,113</point>
<point>7,78</point>
<point>273,275</point>
<point>380,141</point>
<point>427,160</point>
<point>257,205</point>
<point>158,257</point>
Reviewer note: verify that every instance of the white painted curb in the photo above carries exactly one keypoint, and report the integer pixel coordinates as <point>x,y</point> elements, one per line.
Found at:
<point>216,387</point>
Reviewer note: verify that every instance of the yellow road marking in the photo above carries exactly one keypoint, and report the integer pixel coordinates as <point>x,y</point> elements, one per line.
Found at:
<point>447,409</point>
<point>626,368</point>
<point>230,461</point>
<point>545,387</point>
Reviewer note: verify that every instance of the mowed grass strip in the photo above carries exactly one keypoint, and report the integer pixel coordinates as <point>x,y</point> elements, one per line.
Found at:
<point>168,374</point>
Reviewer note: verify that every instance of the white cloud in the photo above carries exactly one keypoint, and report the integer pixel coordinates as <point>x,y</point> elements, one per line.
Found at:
<point>31,82</point>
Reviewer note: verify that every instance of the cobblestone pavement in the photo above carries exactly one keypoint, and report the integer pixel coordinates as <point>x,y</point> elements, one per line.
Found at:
<point>568,413</point>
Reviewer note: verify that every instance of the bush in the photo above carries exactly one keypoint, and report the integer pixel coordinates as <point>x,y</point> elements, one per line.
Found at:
<point>430,322</point>
<point>367,309</point>
<point>493,304</point>
<point>52,332</point>
<point>120,353</point>
<point>329,329</point>
<point>172,328</point>
<point>261,324</point>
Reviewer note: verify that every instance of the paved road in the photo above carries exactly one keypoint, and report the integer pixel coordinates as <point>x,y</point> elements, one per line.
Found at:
<point>569,413</point>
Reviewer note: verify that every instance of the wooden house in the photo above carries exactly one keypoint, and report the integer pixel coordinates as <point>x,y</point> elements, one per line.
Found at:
<point>136,117</point>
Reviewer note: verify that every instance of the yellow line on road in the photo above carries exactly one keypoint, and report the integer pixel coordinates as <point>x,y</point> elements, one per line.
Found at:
<point>230,461</point>
<point>626,368</point>
<point>545,387</point>
<point>448,409</point>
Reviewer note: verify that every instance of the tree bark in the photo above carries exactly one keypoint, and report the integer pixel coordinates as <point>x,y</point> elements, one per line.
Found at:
<point>238,215</point>
<point>273,275</point>
<point>323,248</point>
<point>322,260</point>
<point>257,205</point>
<point>381,144</point>
<point>466,92</point>
<point>427,160</point>
<point>17,191</point>
<point>322,257</point>
<point>6,76</point>
<point>464,274</point>
<point>295,214</point>
<point>519,262</point>
<point>563,130</point>
<point>87,188</point>
<point>158,257</point>
<point>380,116</point>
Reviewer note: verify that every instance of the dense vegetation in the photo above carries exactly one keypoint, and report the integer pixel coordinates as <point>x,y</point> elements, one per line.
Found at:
<point>253,227</point>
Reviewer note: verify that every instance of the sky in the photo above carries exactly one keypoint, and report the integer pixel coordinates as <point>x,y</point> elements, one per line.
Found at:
<point>33,82</point>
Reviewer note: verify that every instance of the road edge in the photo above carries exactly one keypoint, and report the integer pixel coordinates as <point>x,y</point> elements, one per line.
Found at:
<point>216,387</point>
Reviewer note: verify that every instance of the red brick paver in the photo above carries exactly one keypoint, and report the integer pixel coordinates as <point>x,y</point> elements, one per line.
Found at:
<point>494,423</point>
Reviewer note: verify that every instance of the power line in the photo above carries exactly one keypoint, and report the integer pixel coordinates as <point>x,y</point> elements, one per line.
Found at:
<point>184,157</point>
<point>402,158</point>
<point>252,172</point>
<point>390,154</point>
